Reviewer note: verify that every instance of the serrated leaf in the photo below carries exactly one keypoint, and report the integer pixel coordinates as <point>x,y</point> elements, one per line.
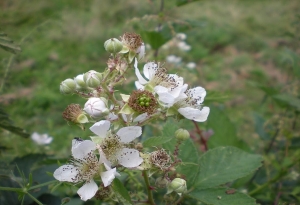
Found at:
<point>218,196</point>
<point>8,45</point>
<point>169,129</point>
<point>225,164</point>
<point>7,124</point>
<point>155,141</point>
<point>121,192</point>
<point>215,96</point>
<point>259,127</point>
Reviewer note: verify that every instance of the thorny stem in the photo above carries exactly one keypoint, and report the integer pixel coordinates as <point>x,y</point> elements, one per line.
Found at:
<point>199,132</point>
<point>149,191</point>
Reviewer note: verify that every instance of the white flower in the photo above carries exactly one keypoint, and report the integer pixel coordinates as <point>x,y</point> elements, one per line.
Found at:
<point>41,139</point>
<point>169,87</point>
<point>181,36</point>
<point>95,107</point>
<point>183,46</point>
<point>112,146</point>
<point>191,108</point>
<point>83,168</point>
<point>173,59</point>
<point>191,65</point>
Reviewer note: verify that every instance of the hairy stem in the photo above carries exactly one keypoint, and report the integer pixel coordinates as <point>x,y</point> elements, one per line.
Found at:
<point>199,132</point>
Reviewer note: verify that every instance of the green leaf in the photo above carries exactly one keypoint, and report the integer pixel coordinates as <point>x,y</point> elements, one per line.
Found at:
<point>287,100</point>
<point>224,130</point>
<point>259,127</point>
<point>155,39</point>
<point>121,192</point>
<point>7,124</point>
<point>169,128</point>
<point>218,196</point>
<point>215,96</point>
<point>8,45</point>
<point>225,164</point>
<point>155,141</point>
<point>183,2</point>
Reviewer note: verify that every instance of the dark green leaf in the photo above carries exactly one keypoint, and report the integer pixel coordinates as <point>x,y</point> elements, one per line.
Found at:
<point>8,45</point>
<point>287,100</point>
<point>259,127</point>
<point>121,192</point>
<point>155,39</point>
<point>218,196</point>
<point>224,130</point>
<point>225,164</point>
<point>155,141</point>
<point>183,2</point>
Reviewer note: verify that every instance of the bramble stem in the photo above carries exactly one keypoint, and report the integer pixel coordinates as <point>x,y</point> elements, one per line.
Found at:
<point>149,191</point>
<point>199,132</point>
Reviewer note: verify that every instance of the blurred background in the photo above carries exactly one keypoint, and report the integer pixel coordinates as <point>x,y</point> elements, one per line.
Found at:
<point>244,53</point>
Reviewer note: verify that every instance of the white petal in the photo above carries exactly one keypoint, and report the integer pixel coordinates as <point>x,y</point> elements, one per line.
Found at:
<point>138,74</point>
<point>88,190</point>
<point>164,95</point>
<point>81,150</point>
<point>195,114</point>
<point>108,176</point>
<point>198,93</point>
<point>129,158</point>
<point>141,51</point>
<point>127,134</point>
<point>100,128</point>
<point>103,159</point>
<point>141,117</point>
<point>66,173</point>
<point>139,86</point>
<point>150,69</point>
<point>177,78</point>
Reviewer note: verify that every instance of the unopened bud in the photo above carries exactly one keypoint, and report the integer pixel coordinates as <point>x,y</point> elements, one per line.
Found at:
<point>182,134</point>
<point>79,81</point>
<point>68,86</point>
<point>96,107</point>
<point>113,45</point>
<point>178,185</point>
<point>92,78</point>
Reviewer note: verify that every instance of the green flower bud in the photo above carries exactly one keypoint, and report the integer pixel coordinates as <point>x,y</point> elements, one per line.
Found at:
<point>178,185</point>
<point>68,86</point>
<point>113,45</point>
<point>79,81</point>
<point>92,78</point>
<point>182,134</point>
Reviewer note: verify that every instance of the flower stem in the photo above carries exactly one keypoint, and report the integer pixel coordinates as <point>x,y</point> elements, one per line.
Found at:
<point>150,195</point>
<point>199,132</point>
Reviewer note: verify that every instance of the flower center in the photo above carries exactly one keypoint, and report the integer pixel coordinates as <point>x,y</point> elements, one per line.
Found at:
<point>132,40</point>
<point>87,167</point>
<point>143,101</point>
<point>111,145</point>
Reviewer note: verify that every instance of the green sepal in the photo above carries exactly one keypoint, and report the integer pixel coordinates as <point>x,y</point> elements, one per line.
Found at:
<point>127,110</point>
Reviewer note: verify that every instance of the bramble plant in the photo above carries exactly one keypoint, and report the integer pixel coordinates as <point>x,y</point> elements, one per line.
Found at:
<point>115,154</point>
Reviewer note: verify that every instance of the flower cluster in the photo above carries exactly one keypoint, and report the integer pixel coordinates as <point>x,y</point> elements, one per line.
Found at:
<point>118,119</point>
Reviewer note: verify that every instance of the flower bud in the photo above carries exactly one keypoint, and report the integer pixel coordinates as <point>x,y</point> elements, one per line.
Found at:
<point>113,45</point>
<point>68,86</point>
<point>79,81</point>
<point>178,185</point>
<point>92,78</point>
<point>96,107</point>
<point>182,134</point>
